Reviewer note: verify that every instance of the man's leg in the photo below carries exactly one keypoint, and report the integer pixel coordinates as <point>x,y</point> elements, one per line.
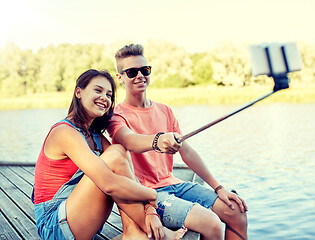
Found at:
<point>235,220</point>
<point>177,212</point>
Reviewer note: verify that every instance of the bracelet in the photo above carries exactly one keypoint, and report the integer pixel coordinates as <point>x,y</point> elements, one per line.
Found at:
<point>147,206</point>
<point>153,214</point>
<point>155,141</point>
<point>218,188</point>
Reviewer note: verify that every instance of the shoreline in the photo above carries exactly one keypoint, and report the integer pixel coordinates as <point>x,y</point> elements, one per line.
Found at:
<point>200,95</point>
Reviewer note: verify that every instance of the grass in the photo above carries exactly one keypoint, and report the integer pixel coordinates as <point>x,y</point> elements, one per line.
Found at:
<point>230,95</point>
<point>206,95</point>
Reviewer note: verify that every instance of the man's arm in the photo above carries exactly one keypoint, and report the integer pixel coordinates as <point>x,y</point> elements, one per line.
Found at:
<point>195,163</point>
<point>139,143</point>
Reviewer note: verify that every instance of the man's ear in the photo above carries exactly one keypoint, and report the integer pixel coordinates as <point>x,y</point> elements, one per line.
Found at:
<point>77,92</point>
<point>119,78</point>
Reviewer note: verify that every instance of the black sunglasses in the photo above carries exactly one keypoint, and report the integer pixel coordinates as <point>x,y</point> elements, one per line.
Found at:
<point>133,72</point>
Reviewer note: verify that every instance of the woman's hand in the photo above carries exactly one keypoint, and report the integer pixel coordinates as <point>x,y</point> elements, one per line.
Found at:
<point>226,196</point>
<point>153,223</point>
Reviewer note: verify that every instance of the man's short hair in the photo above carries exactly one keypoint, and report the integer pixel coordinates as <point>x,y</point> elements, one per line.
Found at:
<point>129,50</point>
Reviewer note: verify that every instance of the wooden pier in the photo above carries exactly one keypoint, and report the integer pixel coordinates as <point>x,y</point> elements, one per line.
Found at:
<point>17,219</point>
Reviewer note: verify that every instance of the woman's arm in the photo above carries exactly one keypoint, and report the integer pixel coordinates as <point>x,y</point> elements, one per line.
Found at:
<point>65,141</point>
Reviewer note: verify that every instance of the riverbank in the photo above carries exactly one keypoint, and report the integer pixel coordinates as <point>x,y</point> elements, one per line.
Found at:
<point>206,95</point>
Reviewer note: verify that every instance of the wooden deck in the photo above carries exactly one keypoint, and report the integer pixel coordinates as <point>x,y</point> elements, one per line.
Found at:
<point>17,220</point>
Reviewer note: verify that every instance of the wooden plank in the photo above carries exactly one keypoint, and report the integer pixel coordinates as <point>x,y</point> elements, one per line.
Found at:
<point>7,232</point>
<point>30,169</point>
<point>18,215</point>
<point>113,225</point>
<point>22,173</point>
<point>24,226</point>
<point>17,163</point>
<point>20,184</point>
<point>17,197</point>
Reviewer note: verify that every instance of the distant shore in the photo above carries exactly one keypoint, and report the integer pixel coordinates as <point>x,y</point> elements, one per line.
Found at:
<point>201,95</point>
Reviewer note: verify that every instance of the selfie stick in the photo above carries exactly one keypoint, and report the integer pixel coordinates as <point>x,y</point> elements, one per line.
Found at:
<point>281,82</point>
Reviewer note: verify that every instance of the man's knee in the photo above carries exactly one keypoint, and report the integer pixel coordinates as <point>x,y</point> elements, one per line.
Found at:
<point>236,217</point>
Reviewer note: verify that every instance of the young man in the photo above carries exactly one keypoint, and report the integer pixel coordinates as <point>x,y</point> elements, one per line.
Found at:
<point>148,130</point>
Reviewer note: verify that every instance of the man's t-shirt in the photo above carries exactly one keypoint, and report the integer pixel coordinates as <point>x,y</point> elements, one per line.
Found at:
<point>153,169</point>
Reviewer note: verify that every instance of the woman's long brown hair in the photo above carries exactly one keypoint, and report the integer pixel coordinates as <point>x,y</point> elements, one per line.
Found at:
<point>76,112</point>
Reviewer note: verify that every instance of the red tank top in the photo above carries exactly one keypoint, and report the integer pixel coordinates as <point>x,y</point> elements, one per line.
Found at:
<point>51,174</point>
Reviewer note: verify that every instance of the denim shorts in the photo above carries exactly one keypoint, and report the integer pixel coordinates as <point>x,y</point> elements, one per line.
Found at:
<point>175,201</point>
<point>51,220</point>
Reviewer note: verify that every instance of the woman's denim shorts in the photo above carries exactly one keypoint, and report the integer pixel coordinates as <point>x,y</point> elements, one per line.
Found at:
<point>175,201</point>
<point>51,220</point>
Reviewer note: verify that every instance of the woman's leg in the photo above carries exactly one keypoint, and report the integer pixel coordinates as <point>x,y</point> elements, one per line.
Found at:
<point>88,207</point>
<point>204,221</point>
<point>132,229</point>
<point>132,213</point>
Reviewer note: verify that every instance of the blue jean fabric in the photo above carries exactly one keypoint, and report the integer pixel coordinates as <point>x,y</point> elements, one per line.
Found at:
<point>175,201</point>
<point>51,219</point>
<point>50,216</point>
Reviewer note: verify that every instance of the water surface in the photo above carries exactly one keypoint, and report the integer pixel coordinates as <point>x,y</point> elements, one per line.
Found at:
<point>266,153</point>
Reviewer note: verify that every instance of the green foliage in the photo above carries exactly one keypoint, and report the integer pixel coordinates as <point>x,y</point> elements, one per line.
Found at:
<point>55,68</point>
<point>202,69</point>
<point>171,65</point>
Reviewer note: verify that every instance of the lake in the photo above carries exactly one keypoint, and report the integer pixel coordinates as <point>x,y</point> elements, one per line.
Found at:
<point>266,153</point>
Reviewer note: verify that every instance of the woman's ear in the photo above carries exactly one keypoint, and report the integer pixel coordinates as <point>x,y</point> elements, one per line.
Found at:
<point>77,92</point>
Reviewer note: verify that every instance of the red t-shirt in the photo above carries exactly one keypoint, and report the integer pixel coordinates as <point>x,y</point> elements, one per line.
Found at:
<point>51,174</point>
<point>153,169</point>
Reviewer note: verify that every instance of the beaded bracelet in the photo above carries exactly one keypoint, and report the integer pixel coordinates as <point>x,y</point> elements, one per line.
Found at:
<point>147,206</point>
<point>155,141</point>
<point>153,214</point>
<point>218,188</point>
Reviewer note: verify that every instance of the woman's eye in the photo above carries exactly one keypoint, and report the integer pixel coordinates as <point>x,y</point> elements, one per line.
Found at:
<point>98,90</point>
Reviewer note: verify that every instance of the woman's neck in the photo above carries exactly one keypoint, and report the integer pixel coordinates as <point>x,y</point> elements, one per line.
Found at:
<point>86,125</point>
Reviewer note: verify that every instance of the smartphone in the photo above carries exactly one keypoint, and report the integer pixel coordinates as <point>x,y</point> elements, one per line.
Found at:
<point>274,58</point>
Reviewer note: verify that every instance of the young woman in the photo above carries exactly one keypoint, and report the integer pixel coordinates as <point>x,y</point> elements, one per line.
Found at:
<point>79,174</point>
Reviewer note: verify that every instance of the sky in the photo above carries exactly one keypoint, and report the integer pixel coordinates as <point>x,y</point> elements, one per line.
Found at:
<point>196,25</point>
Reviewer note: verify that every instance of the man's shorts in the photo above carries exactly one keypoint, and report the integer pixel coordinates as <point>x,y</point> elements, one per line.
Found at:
<point>175,201</point>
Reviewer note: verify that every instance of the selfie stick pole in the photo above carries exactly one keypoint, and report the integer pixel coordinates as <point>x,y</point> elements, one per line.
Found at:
<point>281,82</point>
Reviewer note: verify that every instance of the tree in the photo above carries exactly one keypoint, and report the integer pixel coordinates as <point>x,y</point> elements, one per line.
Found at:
<point>172,65</point>
<point>202,69</point>
<point>231,65</point>
<point>12,65</point>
